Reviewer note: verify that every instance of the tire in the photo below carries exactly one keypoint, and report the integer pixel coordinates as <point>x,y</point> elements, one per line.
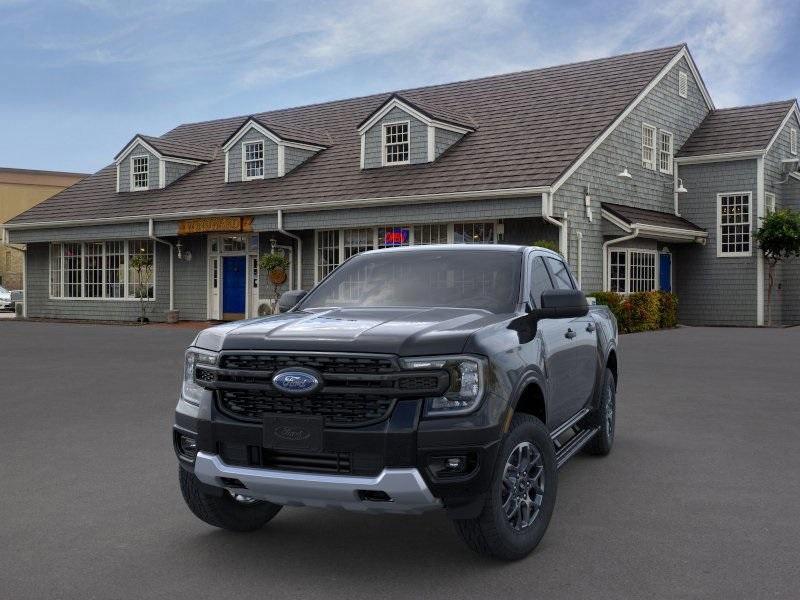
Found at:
<point>492,533</point>
<point>224,511</point>
<point>605,417</point>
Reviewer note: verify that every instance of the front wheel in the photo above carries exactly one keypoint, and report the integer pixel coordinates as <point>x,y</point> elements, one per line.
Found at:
<point>522,497</point>
<point>234,513</point>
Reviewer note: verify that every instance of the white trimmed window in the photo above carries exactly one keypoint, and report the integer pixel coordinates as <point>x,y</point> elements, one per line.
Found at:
<point>140,173</point>
<point>396,146</point>
<point>769,200</point>
<point>333,246</point>
<point>648,146</point>
<point>253,153</point>
<point>98,270</point>
<point>683,84</point>
<point>793,140</point>
<point>734,224</point>
<point>632,270</point>
<point>665,152</point>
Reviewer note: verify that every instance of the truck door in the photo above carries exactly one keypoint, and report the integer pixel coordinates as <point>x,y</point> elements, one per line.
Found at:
<point>558,349</point>
<point>582,337</point>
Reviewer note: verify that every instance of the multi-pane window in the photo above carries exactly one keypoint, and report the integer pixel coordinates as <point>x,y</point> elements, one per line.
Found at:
<point>140,280</point>
<point>392,237</point>
<point>683,84</point>
<point>769,200</point>
<point>97,270</point>
<point>648,146</point>
<point>734,222</point>
<point>665,152</point>
<point>253,160</point>
<point>430,234</point>
<point>395,143</point>
<point>140,167</point>
<point>327,252</point>
<point>334,246</point>
<point>115,269</point>
<point>93,270</point>
<point>632,271</point>
<point>793,140</point>
<point>473,233</point>
<point>234,243</point>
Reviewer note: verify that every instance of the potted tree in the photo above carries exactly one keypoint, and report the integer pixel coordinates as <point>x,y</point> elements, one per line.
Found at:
<point>276,265</point>
<point>779,239</point>
<point>142,265</point>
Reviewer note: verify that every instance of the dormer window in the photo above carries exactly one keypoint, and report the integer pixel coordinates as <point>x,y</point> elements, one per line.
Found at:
<point>396,148</point>
<point>140,170</point>
<point>253,153</point>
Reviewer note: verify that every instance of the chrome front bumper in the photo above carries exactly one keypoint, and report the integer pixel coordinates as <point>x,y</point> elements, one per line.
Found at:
<point>406,489</point>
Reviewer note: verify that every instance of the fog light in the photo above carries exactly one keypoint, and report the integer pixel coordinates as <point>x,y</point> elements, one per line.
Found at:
<point>187,447</point>
<point>455,463</point>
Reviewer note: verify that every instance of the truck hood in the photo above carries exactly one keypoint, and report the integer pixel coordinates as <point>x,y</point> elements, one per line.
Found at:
<point>401,331</point>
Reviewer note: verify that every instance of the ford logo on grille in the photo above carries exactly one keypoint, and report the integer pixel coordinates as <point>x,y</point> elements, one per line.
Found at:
<point>296,382</point>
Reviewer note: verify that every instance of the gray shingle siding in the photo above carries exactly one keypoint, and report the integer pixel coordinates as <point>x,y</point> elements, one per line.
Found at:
<point>648,189</point>
<point>715,290</point>
<point>270,156</point>
<point>191,278</point>
<point>94,232</point>
<point>418,139</point>
<point>174,170</point>
<point>443,139</point>
<point>405,214</point>
<point>786,287</point>
<point>125,169</point>
<point>294,157</point>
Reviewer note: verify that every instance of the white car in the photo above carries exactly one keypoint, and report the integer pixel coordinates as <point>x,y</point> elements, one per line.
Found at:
<point>5,299</point>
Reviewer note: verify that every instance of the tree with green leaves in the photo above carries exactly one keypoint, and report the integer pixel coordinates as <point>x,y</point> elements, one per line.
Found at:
<point>779,239</point>
<point>276,265</point>
<point>549,244</point>
<point>142,265</point>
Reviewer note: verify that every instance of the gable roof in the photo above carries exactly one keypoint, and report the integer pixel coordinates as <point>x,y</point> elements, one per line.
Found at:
<point>431,112</point>
<point>738,129</point>
<point>168,148</point>
<point>652,218</point>
<point>281,131</point>
<point>530,127</point>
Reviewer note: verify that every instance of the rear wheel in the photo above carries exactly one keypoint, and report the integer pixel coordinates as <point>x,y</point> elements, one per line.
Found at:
<point>228,511</point>
<point>522,497</point>
<point>604,417</point>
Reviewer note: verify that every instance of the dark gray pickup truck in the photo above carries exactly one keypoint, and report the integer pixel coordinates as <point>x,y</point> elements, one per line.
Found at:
<point>410,379</point>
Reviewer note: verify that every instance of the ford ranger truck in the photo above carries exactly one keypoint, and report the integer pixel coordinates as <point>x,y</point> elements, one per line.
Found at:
<point>457,377</point>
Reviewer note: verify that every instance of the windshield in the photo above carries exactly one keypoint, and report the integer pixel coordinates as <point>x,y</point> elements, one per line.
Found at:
<point>459,279</point>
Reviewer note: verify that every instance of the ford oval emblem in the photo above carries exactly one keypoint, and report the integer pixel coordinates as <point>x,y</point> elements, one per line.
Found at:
<point>296,382</point>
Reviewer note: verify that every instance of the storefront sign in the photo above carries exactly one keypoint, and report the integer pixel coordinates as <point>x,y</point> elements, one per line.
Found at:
<point>398,236</point>
<point>215,224</point>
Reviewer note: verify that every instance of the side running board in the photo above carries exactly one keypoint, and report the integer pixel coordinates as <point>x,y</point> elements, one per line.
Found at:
<point>581,437</point>
<point>569,449</point>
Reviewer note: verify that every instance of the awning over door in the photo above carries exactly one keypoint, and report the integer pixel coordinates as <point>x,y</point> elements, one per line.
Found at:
<point>652,224</point>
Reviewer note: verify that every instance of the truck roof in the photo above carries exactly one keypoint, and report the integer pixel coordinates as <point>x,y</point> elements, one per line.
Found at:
<point>461,248</point>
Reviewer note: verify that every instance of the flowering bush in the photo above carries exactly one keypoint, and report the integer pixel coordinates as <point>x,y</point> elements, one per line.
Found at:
<point>641,311</point>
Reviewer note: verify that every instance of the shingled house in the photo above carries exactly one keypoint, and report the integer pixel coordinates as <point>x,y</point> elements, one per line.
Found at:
<point>623,161</point>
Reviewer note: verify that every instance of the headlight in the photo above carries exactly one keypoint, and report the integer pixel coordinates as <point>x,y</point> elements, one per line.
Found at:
<point>467,382</point>
<point>190,391</point>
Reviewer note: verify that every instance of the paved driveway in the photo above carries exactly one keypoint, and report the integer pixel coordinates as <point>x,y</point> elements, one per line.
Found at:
<point>699,499</point>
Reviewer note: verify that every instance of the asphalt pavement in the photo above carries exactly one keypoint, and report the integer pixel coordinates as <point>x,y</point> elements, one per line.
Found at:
<point>699,499</point>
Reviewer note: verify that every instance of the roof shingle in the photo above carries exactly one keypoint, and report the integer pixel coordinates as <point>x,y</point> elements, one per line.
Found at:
<point>631,215</point>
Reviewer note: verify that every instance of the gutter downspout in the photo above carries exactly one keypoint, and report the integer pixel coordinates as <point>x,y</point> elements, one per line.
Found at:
<point>580,259</point>
<point>152,236</point>
<point>675,187</point>
<point>547,211</point>
<point>299,249</point>
<point>618,240</point>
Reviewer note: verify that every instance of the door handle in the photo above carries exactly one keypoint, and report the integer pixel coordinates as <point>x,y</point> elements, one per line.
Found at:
<point>570,334</point>
<point>590,327</point>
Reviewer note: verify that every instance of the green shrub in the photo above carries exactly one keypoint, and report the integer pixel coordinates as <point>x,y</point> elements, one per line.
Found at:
<point>640,311</point>
<point>549,244</point>
<point>668,309</point>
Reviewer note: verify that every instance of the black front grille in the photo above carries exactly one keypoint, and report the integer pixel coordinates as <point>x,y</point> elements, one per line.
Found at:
<point>323,363</point>
<point>338,410</point>
<point>355,463</point>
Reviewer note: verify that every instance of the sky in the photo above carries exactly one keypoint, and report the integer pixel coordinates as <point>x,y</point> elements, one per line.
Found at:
<point>80,78</point>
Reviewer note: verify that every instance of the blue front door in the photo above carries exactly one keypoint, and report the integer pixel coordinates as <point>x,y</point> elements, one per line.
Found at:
<point>665,272</point>
<point>233,284</point>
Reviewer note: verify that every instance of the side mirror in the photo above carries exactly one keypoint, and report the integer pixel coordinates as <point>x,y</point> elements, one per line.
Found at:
<point>563,304</point>
<point>289,299</point>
